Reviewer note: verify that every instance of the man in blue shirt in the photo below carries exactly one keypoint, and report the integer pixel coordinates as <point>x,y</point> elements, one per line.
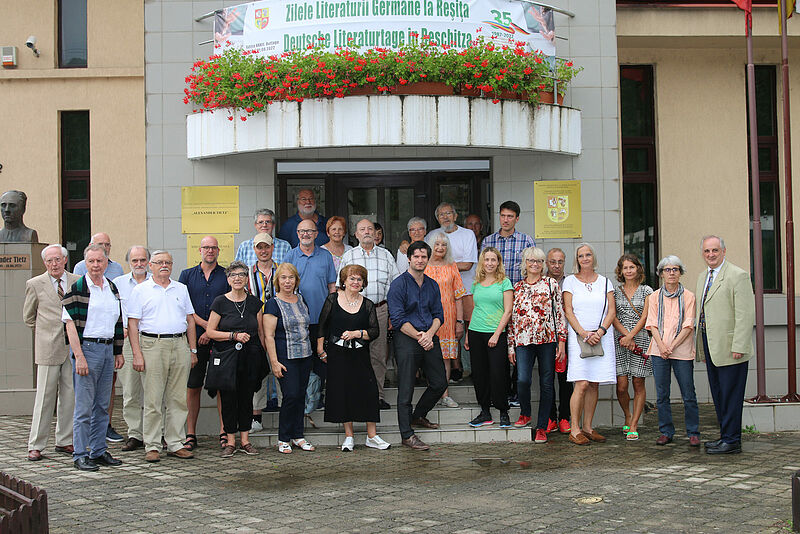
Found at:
<point>509,241</point>
<point>306,211</point>
<point>205,282</point>
<point>415,309</point>
<point>264,223</point>
<point>113,270</point>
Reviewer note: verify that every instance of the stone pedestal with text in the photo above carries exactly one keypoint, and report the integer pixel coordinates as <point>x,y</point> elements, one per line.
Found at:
<point>18,263</point>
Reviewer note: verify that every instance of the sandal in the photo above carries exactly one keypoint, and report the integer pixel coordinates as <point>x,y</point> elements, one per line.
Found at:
<point>191,442</point>
<point>632,436</point>
<point>223,440</point>
<point>303,444</point>
<point>626,429</point>
<point>284,447</point>
<point>311,421</point>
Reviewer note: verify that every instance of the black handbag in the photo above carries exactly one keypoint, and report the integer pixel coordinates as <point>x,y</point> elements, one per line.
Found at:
<point>221,372</point>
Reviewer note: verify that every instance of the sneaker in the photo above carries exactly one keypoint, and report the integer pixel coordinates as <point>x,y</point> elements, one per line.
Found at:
<point>563,426</point>
<point>551,425</point>
<point>348,444</point>
<point>483,419</point>
<point>513,402</point>
<point>541,436</point>
<point>523,421</point>
<point>449,402</point>
<point>112,436</point>
<point>256,426</point>
<point>377,443</point>
<point>505,422</point>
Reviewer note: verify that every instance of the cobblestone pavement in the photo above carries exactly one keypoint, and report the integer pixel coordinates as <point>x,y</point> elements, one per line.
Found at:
<point>464,488</point>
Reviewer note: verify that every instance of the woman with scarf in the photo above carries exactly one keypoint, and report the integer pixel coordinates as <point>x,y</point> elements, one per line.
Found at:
<point>670,319</point>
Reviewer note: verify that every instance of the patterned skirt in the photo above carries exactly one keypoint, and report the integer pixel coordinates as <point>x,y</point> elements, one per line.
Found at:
<point>630,364</point>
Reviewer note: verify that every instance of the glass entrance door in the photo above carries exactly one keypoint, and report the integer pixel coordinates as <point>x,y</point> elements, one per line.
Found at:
<point>389,201</point>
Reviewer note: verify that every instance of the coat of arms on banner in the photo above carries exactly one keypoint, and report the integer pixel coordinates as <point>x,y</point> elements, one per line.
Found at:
<point>262,18</point>
<point>558,208</point>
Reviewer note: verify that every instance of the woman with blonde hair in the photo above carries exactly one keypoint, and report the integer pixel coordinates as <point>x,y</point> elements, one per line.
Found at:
<point>590,310</point>
<point>493,297</point>
<point>443,269</point>
<point>286,323</point>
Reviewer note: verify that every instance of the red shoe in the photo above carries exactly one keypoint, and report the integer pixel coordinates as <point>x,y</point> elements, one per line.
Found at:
<point>563,426</point>
<point>523,421</point>
<point>551,425</point>
<point>541,436</point>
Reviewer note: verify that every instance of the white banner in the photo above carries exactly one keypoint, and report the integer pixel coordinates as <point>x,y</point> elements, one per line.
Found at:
<point>271,27</point>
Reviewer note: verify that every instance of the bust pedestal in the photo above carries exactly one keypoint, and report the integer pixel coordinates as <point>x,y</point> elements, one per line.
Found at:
<point>18,263</point>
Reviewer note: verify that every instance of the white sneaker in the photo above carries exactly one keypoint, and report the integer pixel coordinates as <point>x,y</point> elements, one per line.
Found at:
<point>449,402</point>
<point>377,443</point>
<point>256,426</point>
<point>348,444</point>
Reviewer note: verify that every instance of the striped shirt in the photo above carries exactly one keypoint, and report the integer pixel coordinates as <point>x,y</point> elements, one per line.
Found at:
<point>510,248</point>
<point>381,270</point>
<point>247,254</point>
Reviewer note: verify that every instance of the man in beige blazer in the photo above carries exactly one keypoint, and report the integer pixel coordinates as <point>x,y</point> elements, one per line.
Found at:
<point>42,312</point>
<point>725,317</point>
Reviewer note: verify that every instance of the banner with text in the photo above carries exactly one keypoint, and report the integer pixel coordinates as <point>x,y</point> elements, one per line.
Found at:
<point>271,27</point>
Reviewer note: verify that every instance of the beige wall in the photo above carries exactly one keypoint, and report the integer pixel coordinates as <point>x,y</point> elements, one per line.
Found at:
<point>701,140</point>
<point>111,88</point>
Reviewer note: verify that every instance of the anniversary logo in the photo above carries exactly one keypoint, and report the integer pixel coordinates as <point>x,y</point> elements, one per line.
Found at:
<point>271,27</point>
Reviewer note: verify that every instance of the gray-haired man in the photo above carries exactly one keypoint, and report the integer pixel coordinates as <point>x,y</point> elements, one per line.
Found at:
<point>264,223</point>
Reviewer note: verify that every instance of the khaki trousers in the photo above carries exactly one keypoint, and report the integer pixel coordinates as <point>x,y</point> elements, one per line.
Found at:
<point>54,390</point>
<point>379,348</point>
<point>132,382</point>
<point>166,371</point>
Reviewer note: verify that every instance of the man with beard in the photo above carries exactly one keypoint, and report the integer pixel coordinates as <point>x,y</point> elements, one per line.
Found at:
<point>306,211</point>
<point>132,388</point>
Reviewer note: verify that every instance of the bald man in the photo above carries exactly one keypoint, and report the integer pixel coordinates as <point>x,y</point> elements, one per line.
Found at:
<point>306,211</point>
<point>113,270</point>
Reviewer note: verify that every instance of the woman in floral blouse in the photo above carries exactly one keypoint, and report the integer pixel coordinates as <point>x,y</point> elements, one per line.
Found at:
<point>537,329</point>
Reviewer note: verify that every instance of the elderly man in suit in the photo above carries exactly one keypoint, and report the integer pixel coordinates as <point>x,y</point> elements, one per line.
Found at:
<point>725,312</point>
<point>42,312</point>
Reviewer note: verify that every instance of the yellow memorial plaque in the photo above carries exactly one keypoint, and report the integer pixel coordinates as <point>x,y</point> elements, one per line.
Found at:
<point>557,209</point>
<point>226,250</point>
<point>210,209</point>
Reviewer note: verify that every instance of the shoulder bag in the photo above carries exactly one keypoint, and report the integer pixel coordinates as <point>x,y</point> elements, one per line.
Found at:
<point>592,351</point>
<point>221,372</point>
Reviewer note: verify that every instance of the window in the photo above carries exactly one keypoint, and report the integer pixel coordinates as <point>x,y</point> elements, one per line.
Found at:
<point>75,183</point>
<point>769,188</point>
<point>639,190</point>
<point>72,34</point>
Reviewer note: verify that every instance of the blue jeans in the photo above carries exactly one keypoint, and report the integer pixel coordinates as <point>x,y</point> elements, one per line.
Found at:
<point>293,385</point>
<point>92,395</point>
<point>684,373</point>
<point>526,356</point>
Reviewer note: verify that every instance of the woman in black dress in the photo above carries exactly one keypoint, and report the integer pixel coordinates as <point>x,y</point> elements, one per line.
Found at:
<point>236,320</point>
<point>346,325</point>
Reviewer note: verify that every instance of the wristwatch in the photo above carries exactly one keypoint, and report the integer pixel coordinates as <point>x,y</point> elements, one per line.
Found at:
<point>193,351</point>
<point>460,321</point>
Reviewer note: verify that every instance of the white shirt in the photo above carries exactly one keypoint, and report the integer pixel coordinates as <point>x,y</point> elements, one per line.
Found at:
<point>63,280</point>
<point>160,310</point>
<point>104,308</point>
<point>381,270</point>
<point>125,285</point>
<point>465,249</point>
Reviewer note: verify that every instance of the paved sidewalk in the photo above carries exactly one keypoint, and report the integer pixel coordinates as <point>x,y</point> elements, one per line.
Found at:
<point>464,488</point>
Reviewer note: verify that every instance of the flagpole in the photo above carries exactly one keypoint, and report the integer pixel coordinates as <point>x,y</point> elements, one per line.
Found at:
<point>758,268</point>
<point>792,395</point>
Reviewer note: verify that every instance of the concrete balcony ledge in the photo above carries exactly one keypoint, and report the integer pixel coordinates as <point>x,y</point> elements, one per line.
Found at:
<point>385,120</point>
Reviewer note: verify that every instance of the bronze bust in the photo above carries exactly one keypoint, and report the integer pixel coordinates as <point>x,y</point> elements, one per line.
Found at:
<point>12,207</point>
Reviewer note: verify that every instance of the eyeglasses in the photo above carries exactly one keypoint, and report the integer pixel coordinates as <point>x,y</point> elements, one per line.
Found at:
<point>237,275</point>
<point>671,270</point>
<point>306,232</point>
<point>263,223</point>
<point>533,260</point>
<point>209,248</point>
<point>415,230</point>
<point>446,213</point>
<point>162,262</point>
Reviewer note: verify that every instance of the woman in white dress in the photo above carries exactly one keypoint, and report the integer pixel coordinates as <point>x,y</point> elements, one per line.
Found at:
<point>589,308</point>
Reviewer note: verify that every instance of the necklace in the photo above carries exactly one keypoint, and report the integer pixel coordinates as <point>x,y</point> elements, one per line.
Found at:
<point>352,304</point>
<point>241,310</point>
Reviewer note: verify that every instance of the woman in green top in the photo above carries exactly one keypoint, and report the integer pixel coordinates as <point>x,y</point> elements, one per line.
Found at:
<point>493,297</point>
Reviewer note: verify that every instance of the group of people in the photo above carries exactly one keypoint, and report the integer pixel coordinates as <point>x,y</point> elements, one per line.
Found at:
<point>314,313</point>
